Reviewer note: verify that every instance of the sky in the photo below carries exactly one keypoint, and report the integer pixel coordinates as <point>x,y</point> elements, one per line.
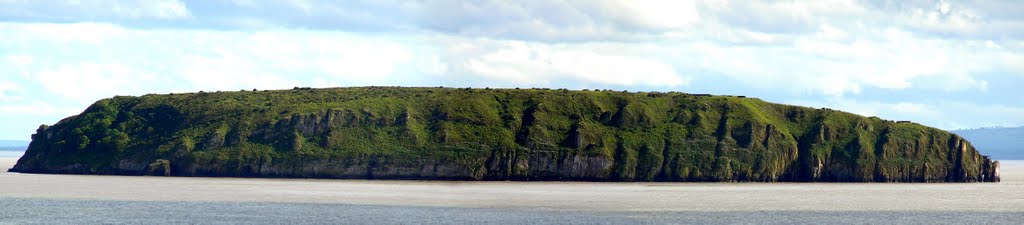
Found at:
<point>946,64</point>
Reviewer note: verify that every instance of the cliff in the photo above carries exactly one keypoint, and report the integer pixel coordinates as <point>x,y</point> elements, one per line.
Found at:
<point>501,134</point>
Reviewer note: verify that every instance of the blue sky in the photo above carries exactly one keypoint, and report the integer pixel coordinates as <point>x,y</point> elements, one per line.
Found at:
<point>948,64</point>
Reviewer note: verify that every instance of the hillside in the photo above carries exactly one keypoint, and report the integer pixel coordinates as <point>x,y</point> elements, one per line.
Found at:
<point>494,134</point>
<point>1001,142</point>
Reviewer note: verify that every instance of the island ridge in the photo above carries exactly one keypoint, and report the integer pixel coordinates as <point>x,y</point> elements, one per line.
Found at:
<point>495,134</point>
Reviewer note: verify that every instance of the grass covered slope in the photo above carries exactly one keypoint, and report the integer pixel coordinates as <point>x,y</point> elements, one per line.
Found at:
<point>487,134</point>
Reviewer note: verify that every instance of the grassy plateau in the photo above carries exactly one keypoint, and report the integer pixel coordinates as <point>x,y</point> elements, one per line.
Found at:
<point>495,134</point>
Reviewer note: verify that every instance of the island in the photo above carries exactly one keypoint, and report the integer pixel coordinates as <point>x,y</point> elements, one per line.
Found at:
<point>534,134</point>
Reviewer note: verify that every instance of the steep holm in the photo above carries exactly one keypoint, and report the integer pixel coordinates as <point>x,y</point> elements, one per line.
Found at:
<point>495,134</point>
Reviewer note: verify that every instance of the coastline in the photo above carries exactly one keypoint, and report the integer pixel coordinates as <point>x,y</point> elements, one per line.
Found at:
<point>585,196</point>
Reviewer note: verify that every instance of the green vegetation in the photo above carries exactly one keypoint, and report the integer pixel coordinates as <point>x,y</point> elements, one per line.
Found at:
<point>529,134</point>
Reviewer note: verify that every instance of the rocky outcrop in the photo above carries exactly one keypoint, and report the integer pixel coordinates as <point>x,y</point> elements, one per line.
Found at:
<point>460,134</point>
<point>160,167</point>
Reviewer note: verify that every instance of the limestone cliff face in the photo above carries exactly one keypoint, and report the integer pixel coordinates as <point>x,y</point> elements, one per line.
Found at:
<point>462,134</point>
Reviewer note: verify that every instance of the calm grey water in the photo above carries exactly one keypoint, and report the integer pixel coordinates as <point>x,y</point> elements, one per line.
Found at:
<point>44,211</point>
<point>11,154</point>
<point>84,199</point>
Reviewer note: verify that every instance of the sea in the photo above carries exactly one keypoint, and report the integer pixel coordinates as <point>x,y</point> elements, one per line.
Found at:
<point>11,154</point>
<point>90,199</point>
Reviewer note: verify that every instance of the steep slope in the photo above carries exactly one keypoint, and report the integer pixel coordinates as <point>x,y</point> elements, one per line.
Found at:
<point>484,134</point>
<point>1000,142</point>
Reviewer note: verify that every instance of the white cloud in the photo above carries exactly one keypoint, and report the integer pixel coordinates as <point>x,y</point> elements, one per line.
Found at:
<point>91,33</point>
<point>36,108</point>
<point>359,60</point>
<point>656,15</point>
<point>556,21</point>
<point>19,60</point>
<point>962,19</point>
<point>227,72</point>
<point>837,62</point>
<point>832,49</point>
<point>119,60</point>
<point>94,9</point>
<point>948,115</point>
<point>432,65</point>
<point>7,91</point>
<point>943,17</point>
<point>542,64</point>
<point>88,81</point>
<point>165,9</point>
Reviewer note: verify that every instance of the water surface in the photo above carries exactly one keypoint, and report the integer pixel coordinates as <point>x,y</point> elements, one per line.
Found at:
<point>49,211</point>
<point>10,154</point>
<point>31,198</point>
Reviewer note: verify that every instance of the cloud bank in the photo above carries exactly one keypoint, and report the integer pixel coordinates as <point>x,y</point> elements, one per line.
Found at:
<point>949,64</point>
